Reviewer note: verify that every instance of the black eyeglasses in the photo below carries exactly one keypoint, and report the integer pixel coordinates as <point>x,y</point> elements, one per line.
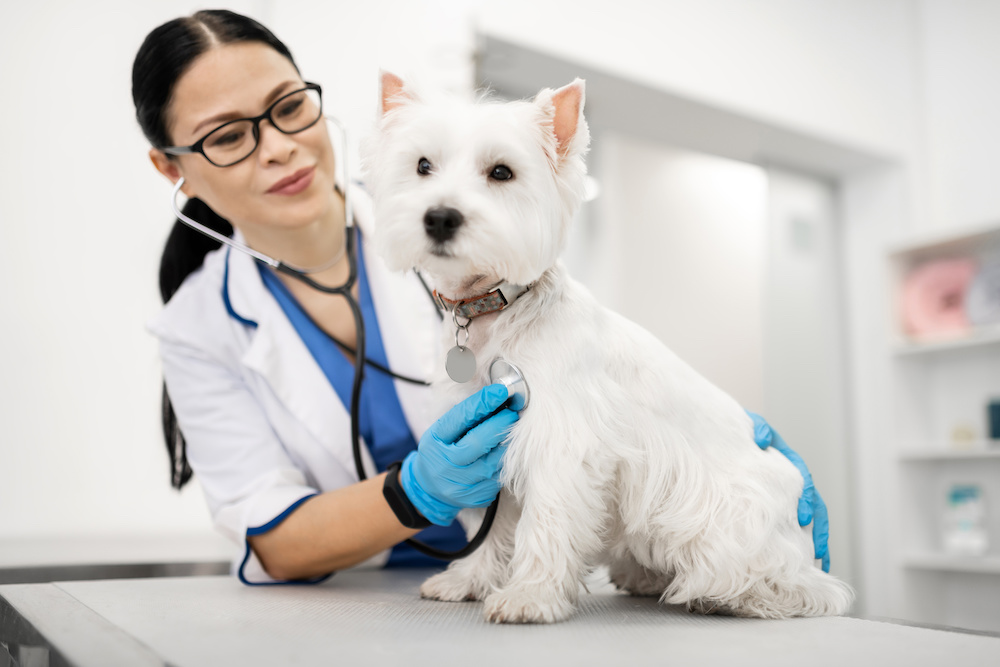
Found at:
<point>236,140</point>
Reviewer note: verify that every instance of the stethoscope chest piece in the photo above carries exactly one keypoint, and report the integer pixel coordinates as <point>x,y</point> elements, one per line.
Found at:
<point>509,375</point>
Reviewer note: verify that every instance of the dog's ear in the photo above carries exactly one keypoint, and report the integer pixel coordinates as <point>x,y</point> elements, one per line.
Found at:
<point>394,92</point>
<point>567,113</point>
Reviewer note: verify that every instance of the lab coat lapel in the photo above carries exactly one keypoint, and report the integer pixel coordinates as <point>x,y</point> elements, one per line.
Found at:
<point>408,322</point>
<point>277,353</point>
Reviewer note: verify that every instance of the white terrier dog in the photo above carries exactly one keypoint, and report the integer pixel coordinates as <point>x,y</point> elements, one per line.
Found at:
<point>625,456</point>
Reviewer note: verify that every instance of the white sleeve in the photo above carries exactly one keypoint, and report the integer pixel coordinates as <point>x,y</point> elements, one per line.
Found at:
<point>249,481</point>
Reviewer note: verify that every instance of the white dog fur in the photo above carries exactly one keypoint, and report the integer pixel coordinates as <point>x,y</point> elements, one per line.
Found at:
<point>625,457</point>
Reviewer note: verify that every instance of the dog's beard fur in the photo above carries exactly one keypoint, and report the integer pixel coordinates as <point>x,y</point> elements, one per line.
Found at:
<point>626,456</point>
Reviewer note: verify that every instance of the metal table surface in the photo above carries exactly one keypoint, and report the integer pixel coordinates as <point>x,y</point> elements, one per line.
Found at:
<point>376,617</point>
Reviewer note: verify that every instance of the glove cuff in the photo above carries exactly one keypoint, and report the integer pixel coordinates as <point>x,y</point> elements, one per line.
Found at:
<point>435,511</point>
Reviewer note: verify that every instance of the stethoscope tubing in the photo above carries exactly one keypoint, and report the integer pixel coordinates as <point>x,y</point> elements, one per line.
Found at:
<point>344,290</point>
<point>359,369</point>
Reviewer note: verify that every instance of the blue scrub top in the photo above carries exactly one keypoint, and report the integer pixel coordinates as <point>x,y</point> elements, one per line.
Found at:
<point>382,423</point>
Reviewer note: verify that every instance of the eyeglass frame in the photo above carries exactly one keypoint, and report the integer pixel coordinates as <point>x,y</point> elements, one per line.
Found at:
<point>198,146</point>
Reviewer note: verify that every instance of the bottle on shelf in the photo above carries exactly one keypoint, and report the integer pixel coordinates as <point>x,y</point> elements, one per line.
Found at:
<point>965,532</point>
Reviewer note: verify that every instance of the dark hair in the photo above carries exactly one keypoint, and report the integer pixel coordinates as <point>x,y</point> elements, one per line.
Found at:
<point>167,52</point>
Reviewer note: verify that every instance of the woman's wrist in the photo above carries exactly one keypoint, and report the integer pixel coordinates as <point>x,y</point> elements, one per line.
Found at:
<point>435,511</point>
<point>399,501</point>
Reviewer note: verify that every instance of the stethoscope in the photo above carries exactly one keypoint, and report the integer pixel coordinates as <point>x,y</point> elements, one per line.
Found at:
<point>500,371</point>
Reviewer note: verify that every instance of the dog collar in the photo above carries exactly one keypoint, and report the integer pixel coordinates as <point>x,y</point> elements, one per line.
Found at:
<point>495,300</point>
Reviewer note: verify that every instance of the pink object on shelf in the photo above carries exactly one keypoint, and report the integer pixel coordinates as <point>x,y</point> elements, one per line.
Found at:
<point>933,298</point>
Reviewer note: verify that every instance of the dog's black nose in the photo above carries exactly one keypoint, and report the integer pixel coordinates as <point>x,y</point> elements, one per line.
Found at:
<point>440,223</point>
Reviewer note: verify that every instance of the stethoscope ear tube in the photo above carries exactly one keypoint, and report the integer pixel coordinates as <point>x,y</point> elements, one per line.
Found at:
<point>211,233</point>
<point>345,179</point>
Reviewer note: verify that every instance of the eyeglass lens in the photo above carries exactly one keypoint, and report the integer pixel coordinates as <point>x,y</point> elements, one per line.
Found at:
<point>234,141</point>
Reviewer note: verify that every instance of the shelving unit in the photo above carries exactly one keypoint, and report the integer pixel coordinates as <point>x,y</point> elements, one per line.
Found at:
<point>941,387</point>
<point>976,338</point>
<point>946,563</point>
<point>978,451</point>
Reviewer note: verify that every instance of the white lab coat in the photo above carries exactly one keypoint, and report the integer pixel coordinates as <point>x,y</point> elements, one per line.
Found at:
<point>263,425</point>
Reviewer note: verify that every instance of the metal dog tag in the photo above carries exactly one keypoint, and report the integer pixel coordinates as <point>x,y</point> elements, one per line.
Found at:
<point>460,364</point>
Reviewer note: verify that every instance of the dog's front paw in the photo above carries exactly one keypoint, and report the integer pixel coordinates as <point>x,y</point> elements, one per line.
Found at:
<point>527,606</point>
<point>452,586</point>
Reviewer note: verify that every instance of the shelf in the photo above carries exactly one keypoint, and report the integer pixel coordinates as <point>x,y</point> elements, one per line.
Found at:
<point>947,242</point>
<point>983,336</point>
<point>948,563</point>
<point>981,451</point>
<point>937,395</point>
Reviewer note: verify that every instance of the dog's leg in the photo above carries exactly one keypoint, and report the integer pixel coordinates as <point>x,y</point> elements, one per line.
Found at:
<point>485,569</point>
<point>624,569</point>
<point>629,576</point>
<point>557,539</point>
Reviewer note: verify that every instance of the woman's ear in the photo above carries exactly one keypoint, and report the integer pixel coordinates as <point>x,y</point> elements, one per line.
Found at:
<point>170,169</point>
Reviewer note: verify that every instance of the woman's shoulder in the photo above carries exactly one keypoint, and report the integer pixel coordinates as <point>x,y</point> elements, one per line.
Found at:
<point>196,308</point>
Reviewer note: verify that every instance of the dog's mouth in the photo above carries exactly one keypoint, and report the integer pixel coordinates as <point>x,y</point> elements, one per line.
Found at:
<point>441,250</point>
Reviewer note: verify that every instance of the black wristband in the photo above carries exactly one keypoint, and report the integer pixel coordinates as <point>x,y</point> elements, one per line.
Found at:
<point>400,504</point>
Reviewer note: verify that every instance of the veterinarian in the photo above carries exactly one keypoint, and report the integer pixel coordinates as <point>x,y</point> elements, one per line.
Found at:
<point>255,387</point>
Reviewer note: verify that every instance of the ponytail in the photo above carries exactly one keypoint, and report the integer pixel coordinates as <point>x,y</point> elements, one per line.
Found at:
<point>186,248</point>
<point>184,254</point>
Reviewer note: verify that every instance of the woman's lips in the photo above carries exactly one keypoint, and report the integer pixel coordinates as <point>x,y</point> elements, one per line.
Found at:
<point>294,184</point>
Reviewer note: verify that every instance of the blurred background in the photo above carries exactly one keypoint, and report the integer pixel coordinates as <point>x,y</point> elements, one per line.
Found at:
<point>767,176</point>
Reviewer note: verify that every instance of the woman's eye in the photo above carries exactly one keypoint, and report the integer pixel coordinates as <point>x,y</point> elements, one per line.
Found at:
<point>423,166</point>
<point>228,139</point>
<point>501,172</point>
<point>290,108</point>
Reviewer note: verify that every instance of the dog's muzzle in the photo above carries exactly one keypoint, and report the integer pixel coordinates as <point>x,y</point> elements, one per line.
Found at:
<point>441,223</point>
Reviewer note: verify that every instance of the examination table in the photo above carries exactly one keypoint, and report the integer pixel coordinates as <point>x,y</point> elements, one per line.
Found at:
<point>376,617</point>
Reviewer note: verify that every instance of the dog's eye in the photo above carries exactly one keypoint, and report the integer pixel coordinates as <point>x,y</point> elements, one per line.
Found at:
<point>501,172</point>
<point>423,166</point>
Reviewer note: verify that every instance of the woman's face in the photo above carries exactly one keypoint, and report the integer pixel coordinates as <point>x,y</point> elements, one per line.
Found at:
<point>239,81</point>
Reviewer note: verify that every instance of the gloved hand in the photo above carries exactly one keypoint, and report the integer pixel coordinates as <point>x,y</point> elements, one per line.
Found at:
<point>457,461</point>
<point>811,505</point>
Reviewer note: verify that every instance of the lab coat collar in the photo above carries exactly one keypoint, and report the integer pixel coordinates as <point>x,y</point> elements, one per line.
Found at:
<point>408,323</point>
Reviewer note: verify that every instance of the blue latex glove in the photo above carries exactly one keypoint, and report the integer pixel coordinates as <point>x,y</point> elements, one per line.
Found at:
<point>811,505</point>
<point>457,461</point>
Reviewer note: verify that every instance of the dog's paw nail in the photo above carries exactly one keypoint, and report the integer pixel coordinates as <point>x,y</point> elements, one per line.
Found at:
<point>449,588</point>
<point>520,607</point>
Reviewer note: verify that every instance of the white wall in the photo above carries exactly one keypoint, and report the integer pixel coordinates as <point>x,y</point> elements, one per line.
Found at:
<point>688,264</point>
<point>961,102</point>
<point>841,69</point>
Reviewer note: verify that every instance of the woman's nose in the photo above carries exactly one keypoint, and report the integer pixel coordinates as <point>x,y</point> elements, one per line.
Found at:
<point>274,145</point>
